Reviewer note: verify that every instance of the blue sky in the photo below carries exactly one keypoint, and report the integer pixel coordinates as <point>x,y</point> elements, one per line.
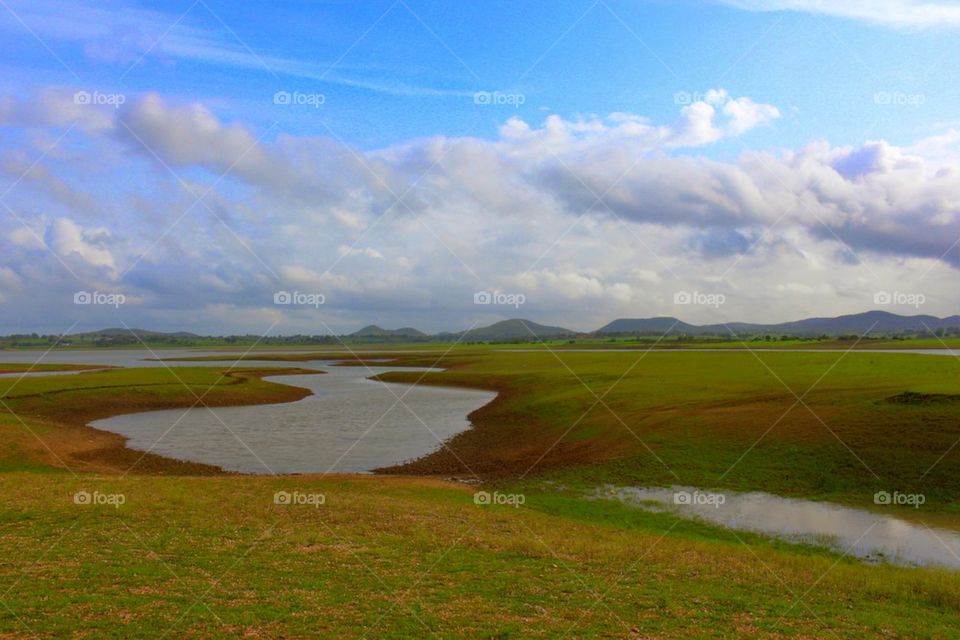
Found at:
<point>727,93</point>
<point>392,71</point>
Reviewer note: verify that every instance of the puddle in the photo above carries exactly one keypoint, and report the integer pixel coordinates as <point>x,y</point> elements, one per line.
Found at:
<point>864,534</point>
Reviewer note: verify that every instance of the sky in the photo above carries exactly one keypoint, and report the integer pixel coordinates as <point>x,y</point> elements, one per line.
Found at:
<point>312,167</point>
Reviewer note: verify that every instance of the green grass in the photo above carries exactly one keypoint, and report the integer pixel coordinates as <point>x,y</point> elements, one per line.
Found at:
<point>388,557</point>
<point>727,419</point>
<point>713,419</point>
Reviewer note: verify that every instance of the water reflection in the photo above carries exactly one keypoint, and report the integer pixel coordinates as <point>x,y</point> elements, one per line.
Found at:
<point>858,532</point>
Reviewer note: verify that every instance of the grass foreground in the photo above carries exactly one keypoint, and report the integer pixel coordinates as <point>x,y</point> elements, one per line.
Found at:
<point>413,558</point>
<point>100,541</point>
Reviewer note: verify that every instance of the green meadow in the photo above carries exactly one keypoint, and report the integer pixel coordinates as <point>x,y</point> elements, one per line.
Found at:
<point>100,541</point>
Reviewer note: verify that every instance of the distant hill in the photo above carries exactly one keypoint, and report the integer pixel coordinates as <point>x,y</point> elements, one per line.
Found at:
<point>875,322</point>
<point>881,321</point>
<point>373,331</point>
<point>513,329</point>
<point>658,325</point>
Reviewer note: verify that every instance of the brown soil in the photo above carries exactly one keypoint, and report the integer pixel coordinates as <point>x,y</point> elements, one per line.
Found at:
<point>492,449</point>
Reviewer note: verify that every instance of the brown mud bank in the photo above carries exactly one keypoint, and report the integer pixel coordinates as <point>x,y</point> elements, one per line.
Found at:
<point>505,439</point>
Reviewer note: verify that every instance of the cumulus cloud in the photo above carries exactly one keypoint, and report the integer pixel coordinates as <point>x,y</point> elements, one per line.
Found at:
<point>703,122</point>
<point>591,218</point>
<point>72,241</point>
<point>189,134</point>
<point>574,286</point>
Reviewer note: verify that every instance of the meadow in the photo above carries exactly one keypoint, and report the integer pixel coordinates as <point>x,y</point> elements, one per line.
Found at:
<point>157,548</point>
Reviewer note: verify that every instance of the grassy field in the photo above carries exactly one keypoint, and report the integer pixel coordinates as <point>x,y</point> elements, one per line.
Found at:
<point>830,425</point>
<point>198,555</point>
<point>803,424</point>
<point>394,558</point>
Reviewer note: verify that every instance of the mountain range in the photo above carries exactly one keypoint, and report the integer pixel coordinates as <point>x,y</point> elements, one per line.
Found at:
<point>872,322</point>
<point>859,323</point>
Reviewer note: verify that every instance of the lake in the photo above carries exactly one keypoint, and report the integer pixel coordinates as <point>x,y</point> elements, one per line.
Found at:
<point>350,424</point>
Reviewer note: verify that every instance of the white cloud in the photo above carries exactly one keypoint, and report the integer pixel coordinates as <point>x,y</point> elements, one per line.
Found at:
<point>70,240</point>
<point>570,284</point>
<point>366,252</point>
<point>895,13</point>
<point>25,237</point>
<point>189,134</point>
<point>745,114</point>
<point>519,212</point>
<point>703,122</point>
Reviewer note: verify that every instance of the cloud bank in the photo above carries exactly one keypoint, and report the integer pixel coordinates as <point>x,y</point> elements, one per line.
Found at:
<point>199,222</point>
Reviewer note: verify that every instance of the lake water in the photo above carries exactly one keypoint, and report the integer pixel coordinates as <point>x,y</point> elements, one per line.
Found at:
<point>856,532</point>
<point>350,424</point>
<point>144,357</point>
